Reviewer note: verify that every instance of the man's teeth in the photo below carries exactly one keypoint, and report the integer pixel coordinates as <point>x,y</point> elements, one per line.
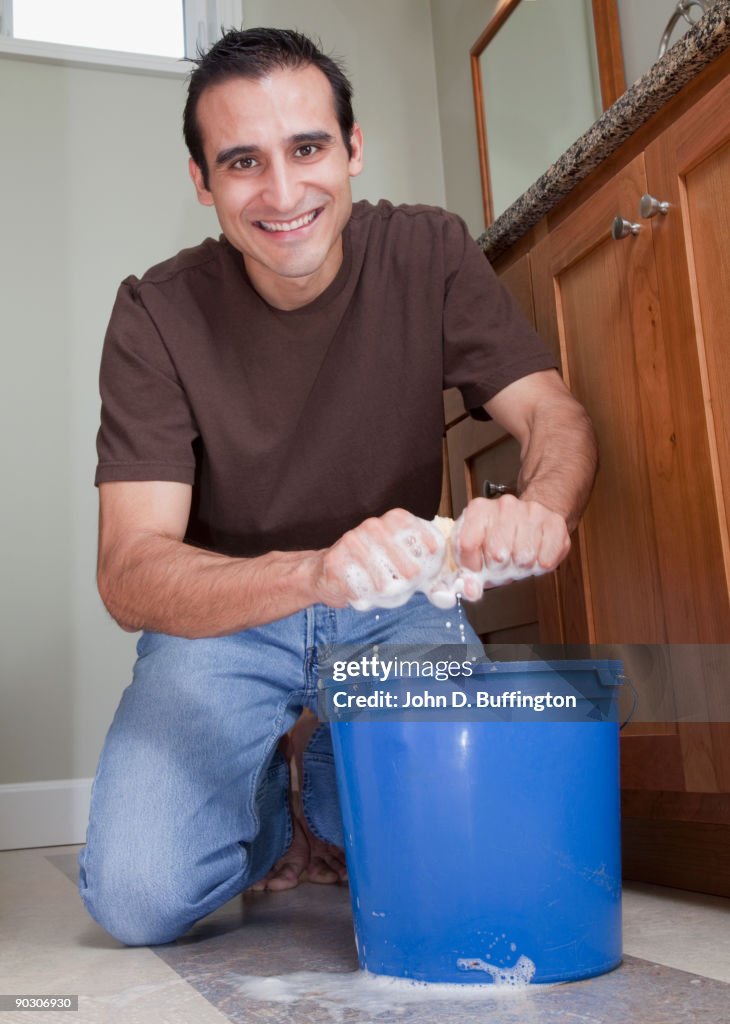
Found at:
<point>289,225</point>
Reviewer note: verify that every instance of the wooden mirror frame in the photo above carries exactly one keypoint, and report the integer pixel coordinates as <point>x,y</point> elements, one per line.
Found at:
<point>610,72</point>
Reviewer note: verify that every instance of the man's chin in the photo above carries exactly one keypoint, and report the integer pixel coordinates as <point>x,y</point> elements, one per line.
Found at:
<point>291,262</point>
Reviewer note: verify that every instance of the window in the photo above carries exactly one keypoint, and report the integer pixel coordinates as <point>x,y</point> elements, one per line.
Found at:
<point>95,30</point>
<point>136,26</point>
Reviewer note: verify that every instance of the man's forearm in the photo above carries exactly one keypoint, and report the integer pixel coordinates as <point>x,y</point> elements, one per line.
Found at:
<point>162,584</point>
<point>559,462</point>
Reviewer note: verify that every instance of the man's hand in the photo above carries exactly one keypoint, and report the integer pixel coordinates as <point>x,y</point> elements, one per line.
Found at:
<point>379,563</point>
<point>510,538</point>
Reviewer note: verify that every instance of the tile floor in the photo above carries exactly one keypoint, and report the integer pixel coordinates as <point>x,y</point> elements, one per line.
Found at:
<point>290,957</point>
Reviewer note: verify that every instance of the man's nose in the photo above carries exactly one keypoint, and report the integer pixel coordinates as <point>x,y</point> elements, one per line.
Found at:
<point>282,188</point>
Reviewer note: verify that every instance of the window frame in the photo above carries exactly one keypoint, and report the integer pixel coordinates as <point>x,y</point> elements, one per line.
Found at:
<point>202,21</point>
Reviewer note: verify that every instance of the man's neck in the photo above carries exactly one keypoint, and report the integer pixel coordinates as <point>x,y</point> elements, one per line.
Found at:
<point>289,293</point>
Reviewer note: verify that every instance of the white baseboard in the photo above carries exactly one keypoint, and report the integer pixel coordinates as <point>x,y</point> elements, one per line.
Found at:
<point>51,813</point>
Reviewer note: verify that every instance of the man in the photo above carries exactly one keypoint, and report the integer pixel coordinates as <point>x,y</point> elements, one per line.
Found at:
<point>271,423</point>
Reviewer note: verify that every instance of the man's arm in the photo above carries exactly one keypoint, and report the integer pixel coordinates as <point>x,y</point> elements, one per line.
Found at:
<point>558,466</point>
<point>149,579</point>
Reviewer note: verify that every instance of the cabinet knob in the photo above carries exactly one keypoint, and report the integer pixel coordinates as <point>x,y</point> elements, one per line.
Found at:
<point>623,228</point>
<point>491,490</point>
<point>650,207</point>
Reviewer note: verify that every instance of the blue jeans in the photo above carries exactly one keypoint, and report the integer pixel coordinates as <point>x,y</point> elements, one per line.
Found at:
<point>190,802</point>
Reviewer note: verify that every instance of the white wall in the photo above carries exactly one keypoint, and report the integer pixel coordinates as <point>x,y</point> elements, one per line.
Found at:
<point>94,184</point>
<point>457,24</point>
<point>94,187</point>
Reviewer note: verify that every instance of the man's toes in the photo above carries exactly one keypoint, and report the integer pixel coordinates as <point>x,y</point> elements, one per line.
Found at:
<point>288,870</point>
<point>326,865</point>
<point>319,871</point>
<point>287,876</point>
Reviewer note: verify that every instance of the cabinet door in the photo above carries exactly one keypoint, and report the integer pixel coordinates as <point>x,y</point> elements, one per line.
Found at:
<point>652,554</point>
<point>480,453</point>
<point>688,166</point>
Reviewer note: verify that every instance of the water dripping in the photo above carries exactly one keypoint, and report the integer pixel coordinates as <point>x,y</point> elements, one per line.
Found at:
<point>462,627</point>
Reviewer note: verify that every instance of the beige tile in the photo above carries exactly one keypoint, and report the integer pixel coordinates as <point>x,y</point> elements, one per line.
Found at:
<point>49,944</point>
<point>685,930</point>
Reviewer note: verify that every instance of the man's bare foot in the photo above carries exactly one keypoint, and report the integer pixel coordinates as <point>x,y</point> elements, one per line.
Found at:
<point>308,858</point>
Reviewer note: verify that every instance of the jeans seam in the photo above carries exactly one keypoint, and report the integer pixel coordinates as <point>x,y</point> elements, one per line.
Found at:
<point>265,761</point>
<point>89,842</point>
<point>287,807</point>
<point>318,757</point>
<point>306,792</point>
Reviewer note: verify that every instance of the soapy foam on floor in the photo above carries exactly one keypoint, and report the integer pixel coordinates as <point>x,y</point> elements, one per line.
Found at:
<point>341,993</point>
<point>517,976</point>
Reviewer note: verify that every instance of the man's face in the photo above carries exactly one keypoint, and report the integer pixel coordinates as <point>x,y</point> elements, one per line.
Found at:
<point>279,178</point>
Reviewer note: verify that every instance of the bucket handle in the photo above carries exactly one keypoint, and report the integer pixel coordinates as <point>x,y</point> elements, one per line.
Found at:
<point>634,698</point>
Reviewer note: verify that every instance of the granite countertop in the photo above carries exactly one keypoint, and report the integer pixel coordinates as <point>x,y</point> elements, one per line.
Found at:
<point>697,48</point>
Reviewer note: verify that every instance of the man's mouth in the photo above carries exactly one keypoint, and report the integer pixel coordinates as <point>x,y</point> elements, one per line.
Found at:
<point>289,225</point>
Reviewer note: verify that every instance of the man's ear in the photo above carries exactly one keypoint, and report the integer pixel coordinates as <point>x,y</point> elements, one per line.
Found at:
<point>357,146</point>
<point>204,196</point>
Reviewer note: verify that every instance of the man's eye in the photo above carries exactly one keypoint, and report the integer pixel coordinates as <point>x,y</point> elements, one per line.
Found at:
<point>244,163</point>
<point>307,150</point>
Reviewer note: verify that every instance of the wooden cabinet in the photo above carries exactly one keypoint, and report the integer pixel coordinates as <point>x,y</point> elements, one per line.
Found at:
<point>651,539</point>
<point>642,325</point>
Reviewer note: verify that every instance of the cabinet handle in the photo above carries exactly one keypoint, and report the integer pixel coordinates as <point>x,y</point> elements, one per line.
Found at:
<point>623,228</point>
<point>491,490</point>
<point>650,207</point>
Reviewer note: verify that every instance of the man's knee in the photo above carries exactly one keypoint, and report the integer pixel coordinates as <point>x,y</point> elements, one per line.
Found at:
<point>133,909</point>
<point>143,903</point>
<point>134,918</point>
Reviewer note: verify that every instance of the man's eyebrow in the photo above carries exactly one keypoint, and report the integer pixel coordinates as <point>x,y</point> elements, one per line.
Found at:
<point>300,139</point>
<point>303,137</point>
<point>233,153</point>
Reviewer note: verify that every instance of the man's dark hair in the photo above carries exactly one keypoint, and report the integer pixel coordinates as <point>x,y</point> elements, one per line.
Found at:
<point>255,53</point>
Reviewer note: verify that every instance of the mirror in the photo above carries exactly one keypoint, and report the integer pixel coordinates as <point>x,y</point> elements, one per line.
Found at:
<point>543,71</point>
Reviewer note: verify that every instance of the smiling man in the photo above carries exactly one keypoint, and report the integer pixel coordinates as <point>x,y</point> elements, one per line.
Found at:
<point>282,194</point>
<point>271,423</point>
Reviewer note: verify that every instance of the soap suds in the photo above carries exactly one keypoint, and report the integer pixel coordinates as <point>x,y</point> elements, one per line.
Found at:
<point>342,995</point>
<point>387,588</point>
<point>440,577</point>
<point>517,976</point>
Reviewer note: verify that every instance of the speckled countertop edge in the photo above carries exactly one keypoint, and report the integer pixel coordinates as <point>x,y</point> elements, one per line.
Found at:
<point>697,48</point>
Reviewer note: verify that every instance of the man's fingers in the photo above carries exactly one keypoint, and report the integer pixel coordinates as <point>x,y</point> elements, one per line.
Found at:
<point>555,543</point>
<point>487,532</point>
<point>472,588</point>
<point>528,541</point>
<point>508,531</point>
<point>380,553</point>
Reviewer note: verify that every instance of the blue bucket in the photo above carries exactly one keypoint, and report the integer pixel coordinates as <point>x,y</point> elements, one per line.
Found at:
<point>487,850</point>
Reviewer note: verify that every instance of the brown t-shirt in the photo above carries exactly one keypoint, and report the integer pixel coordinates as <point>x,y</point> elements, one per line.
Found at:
<point>294,426</point>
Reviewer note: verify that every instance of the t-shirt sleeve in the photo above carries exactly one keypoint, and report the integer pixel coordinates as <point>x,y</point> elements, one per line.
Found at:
<point>488,342</point>
<point>147,426</point>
